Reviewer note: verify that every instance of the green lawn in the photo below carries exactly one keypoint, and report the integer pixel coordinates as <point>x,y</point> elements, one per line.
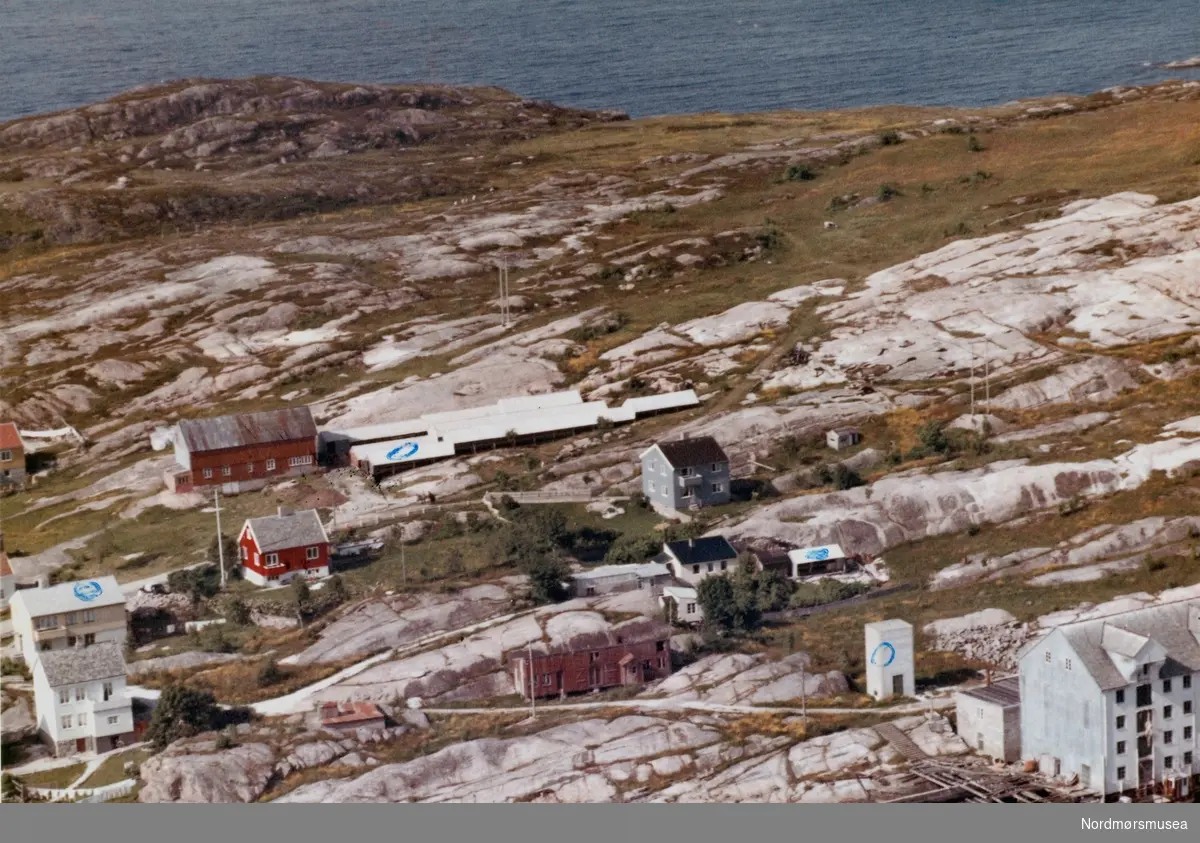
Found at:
<point>113,768</point>
<point>59,777</point>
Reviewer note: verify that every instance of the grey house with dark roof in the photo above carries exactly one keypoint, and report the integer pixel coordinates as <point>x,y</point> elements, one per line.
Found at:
<point>1113,699</point>
<point>685,474</point>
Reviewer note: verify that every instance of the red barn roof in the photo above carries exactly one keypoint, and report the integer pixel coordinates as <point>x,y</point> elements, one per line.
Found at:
<point>10,437</point>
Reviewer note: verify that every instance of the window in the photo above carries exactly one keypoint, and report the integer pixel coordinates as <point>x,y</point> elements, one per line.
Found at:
<point>723,565</point>
<point>547,679</point>
<point>80,693</point>
<point>1166,686</point>
<point>89,616</point>
<point>1187,682</point>
<point>591,591</point>
<point>89,638</point>
<point>305,460</point>
<point>208,474</point>
<point>226,471</point>
<point>311,553</point>
<point>108,691</point>
<point>1187,706</point>
<point>5,456</point>
<point>64,696</point>
<point>1086,718</point>
<point>1121,697</point>
<point>979,713</point>
<point>71,639</point>
<point>82,718</point>
<point>47,646</point>
<point>593,657</point>
<point>1143,696</point>
<point>46,622</point>
<point>685,472</point>
<point>1168,736</point>
<point>660,645</point>
<point>1046,657</point>
<point>270,465</point>
<point>718,487</point>
<point>66,721</point>
<point>1187,758</point>
<point>1121,773</point>
<point>653,490</point>
<point>1169,762</point>
<point>1120,721</point>
<point>1166,712</point>
<point>1120,747</point>
<point>710,567</point>
<point>72,618</point>
<point>1067,664</point>
<point>272,560</point>
<point>1187,733</point>
<point>691,609</point>
<point>695,569</point>
<point>112,721</point>
<point>249,468</point>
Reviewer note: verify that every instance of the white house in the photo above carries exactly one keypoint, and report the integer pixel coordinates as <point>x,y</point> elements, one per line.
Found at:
<point>816,561</point>
<point>59,617</point>
<point>1113,699</point>
<point>82,704</point>
<point>693,560</point>
<point>989,718</point>
<point>687,606</point>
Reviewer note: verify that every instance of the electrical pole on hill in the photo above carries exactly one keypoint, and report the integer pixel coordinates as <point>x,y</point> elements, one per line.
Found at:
<point>504,308</point>
<point>220,538</point>
<point>532,687</point>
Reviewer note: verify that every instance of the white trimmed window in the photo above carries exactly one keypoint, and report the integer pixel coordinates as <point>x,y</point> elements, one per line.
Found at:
<point>685,472</point>
<point>64,696</point>
<point>226,471</point>
<point>272,560</point>
<point>66,721</point>
<point>718,487</point>
<point>72,618</point>
<point>80,693</point>
<point>270,465</point>
<point>5,456</point>
<point>46,622</point>
<point>295,461</point>
<point>249,468</point>
<point>112,721</point>
<point>311,553</point>
<point>208,474</point>
<point>89,615</point>
<point>691,609</point>
<point>1067,664</point>
<point>82,718</point>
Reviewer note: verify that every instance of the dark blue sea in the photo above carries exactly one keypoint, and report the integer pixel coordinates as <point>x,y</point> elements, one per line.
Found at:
<point>644,56</point>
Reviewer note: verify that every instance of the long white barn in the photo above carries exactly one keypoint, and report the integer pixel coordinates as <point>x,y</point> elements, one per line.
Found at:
<point>387,448</point>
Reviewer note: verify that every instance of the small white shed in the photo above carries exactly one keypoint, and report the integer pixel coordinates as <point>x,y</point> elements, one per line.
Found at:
<point>989,718</point>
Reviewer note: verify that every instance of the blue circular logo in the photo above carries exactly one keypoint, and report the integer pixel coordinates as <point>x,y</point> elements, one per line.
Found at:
<point>88,591</point>
<point>883,654</point>
<point>819,554</point>
<point>403,452</point>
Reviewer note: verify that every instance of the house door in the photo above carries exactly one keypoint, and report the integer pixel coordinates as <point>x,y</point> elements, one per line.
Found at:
<point>81,744</point>
<point>593,676</point>
<point>898,686</point>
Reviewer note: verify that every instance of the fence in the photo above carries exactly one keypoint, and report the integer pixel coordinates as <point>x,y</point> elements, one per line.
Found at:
<point>793,614</point>
<point>575,495</point>
<point>85,794</point>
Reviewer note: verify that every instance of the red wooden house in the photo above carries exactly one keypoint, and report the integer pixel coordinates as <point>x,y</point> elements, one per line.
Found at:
<point>243,452</point>
<point>277,548</point>
<point>629,654</point>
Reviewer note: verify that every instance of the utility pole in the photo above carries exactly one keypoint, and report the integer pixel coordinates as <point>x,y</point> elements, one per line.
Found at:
<point>972,383</point>
<point>220,538</point>
<point>532,687</point>
<point>403,561</point>
<point>804,699</point>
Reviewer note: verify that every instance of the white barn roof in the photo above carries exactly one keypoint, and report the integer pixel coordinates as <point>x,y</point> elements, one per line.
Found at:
<point>817,554</point>
<point>71,596</point>
<point>646,571</point>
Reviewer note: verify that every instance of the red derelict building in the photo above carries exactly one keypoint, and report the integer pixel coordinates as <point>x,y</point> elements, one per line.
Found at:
<point>243,452</point>
<point>278,548</point>
<point>630,653</point>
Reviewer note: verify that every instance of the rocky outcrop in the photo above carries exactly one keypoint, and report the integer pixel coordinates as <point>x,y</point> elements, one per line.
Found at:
<point>179,661</point>
<point>183,774</point>
<point>750,680</point>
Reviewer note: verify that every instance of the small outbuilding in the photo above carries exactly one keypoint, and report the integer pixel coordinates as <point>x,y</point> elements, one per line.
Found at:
<point>350,716</point>
<point>681,605</point>
<point>989,718</point>
<point>607,579</point>
<point>818,561</point>
<point>843,437</point>
<point>277,548</point>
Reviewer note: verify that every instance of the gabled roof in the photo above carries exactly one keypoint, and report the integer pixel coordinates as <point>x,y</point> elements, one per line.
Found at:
<point>817,554</point>
<point>10,437</point>
<point>644,571</point>
<point>280,532</point>
<point>76,665</point>
<point>1003,692</point>
<point>348,712</point>
<point>269,427</point>
<point>5,566</point>
<point>684,453</point>
<point>1166,625</point>
<point>701,550</point>
<point>70,597</point>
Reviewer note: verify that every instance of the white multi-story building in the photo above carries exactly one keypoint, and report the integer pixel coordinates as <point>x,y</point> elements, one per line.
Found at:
<point>64,615</point>
<point>82,704</point>
<point>1113,699</point>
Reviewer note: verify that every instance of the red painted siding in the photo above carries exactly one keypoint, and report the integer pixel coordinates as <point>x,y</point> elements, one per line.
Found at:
<point>595,668</point>
<point>240,460</point>
<point>292,559</point>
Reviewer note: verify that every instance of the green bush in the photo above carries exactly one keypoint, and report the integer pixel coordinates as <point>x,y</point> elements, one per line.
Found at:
<point>887,192</point>
<point>180,713</point>
<point>973,144</point>
<point>825,591</point>
<point>12,667</point>
<point>800,172</point>
<point>269,674</point>
<point>890,138</point>
<point>631,549</point>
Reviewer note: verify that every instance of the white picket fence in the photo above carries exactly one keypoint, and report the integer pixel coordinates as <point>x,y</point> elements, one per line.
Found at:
<point>85,794</point>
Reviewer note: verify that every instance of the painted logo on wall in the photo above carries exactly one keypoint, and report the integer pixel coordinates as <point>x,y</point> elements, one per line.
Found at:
<point>883,654</point>
<point>817,554</point>
<point>88,591</point>
<point>404,451</point>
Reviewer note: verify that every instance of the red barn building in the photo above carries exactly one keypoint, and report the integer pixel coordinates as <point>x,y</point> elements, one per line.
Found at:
<point>277,548</point>
<point>629,654</point>
<point>243,452</point>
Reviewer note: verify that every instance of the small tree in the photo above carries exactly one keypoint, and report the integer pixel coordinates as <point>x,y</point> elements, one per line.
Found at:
<point>269,673</point>
<point>640,500</point>
<point>717,602</point>
<point>237,612</point>
<point>546,576</point>
<point>303,595</point>
<point>180,713</point>
<point>336,588</point>
<point>973,144</point>
<point>629,549</point>
<point>844,477</point>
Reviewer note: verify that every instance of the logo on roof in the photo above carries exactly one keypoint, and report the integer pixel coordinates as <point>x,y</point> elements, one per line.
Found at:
<point>883,654</point>
<point>404,451</point>
<point>88,591</point>
<point>817,554</point>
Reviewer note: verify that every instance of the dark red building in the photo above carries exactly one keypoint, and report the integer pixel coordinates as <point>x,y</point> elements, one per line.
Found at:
<point>631,653</point>
<point>243,452</point>
<point>277,548</point>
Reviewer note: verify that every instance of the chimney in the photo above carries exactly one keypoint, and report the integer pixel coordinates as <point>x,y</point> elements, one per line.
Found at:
<point>286,510</point>
<point>691,542</point>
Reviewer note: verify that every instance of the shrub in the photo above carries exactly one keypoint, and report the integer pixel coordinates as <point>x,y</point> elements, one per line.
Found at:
<point>226,740</point>
<point>845,477</point>
<point>335,589</point>
<point>629,550</point>
<point>973,530</point>
<point>825,591</point>
<point>973,144</point>
<point>546,576</point>
<point>800,172</point>
<point>198,583</point>
<point>508,503</point>
<point>269,674</point>
<point>237,612</point>
<point>769,237</point>
<point>932,436</point>
<point>887,192</point>
<point>890,138</point>
<point>640,500</point>
<point>12,667</point>
<point>180,713</point>
<point>611,273</point>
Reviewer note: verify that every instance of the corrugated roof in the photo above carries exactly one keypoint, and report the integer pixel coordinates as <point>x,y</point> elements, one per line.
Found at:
<point>679,592</point>
<point>702,550</point>
<point>1005,692</point>
<point>347,712</point>
<point>1166,625</point>
<point>76,665</point>
<point>684,453</point>
<point>265,428</point>
<point>645,571</point>
<point>70,596</point>
<point>280,532</point>
<point>10,437</point>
